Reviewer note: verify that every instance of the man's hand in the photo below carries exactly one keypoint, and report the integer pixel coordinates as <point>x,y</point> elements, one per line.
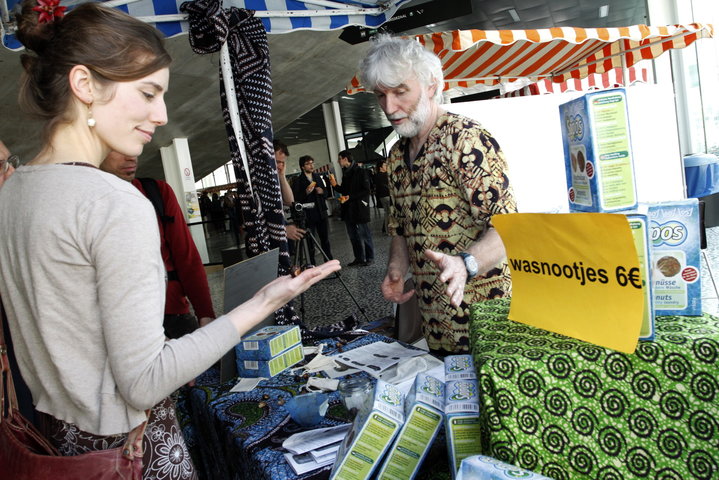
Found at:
<point>294,233</point>
<point>393,288</point>
<point>452,272</point>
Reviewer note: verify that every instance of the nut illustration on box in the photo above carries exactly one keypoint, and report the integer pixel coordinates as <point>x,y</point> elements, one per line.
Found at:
<point>669,266</point>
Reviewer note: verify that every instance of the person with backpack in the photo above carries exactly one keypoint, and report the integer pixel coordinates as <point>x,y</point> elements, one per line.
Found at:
<point>186,277</point>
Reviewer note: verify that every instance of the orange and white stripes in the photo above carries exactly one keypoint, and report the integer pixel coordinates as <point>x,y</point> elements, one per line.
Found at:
<point>490,57</point>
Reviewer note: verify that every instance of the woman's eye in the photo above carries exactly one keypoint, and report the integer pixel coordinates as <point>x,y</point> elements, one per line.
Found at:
<point>148,96</point>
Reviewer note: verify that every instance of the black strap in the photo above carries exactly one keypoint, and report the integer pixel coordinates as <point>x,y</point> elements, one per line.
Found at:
<point>152,192</point>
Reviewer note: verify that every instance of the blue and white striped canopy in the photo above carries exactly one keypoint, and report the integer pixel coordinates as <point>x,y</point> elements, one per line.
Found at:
<point>279,16</point>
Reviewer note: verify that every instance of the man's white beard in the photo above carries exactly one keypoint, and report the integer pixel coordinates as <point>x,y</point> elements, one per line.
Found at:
<point>416,119</point>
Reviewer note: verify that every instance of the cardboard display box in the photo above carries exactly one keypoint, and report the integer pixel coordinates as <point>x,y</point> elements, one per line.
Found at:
<point>459,367</point>
<point>639,225</point>
<point>270,368</point>
<point>268,342</point>
<point>371,435</point>
<point>598,153</point>
<point>423,413</point>
<point>675,243</point>
<point>461,409</point>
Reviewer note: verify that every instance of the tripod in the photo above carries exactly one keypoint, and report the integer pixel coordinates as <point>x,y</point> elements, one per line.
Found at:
<point>302,258</point>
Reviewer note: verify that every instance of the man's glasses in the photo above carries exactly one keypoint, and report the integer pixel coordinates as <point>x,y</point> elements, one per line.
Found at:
<point>12,160</point>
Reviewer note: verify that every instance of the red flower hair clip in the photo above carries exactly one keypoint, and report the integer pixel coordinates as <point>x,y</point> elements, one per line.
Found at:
<point>49,10</point>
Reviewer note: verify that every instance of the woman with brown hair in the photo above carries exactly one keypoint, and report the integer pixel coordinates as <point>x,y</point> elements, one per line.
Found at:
<point>81,275</point>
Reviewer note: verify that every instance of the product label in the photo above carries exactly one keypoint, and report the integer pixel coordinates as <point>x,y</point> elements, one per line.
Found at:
<point>463,435</point>
<point>639,233</point>
<point>371,442</point>
<point>413,442</point>
<point>612,149</point>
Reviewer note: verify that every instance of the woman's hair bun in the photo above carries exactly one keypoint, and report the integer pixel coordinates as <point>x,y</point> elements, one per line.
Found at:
<point>33,34</point>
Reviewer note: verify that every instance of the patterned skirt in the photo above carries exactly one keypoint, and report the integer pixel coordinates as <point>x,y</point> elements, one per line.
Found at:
<point>165,455</point>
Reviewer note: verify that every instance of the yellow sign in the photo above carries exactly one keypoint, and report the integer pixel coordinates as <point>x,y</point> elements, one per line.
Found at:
<point>575,274</point>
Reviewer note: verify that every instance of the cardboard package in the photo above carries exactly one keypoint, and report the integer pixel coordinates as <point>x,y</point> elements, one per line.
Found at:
<point>598,152</point>
<point>459,367</point>
<point>639,225</point>
<point>270,368</point>
<point>488,468</point>
<point>268,342</point>
<point>423,413</point>
<point>676,269</point>
<point>373,430</point>
<point>461,410</point>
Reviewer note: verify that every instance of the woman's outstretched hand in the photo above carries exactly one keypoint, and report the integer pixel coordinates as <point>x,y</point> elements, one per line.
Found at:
<point>276,294</point>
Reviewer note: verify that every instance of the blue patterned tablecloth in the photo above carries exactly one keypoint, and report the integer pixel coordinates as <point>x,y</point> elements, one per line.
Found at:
<point>240,435</point>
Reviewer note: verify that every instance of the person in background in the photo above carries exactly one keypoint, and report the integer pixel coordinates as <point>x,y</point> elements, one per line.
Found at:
<point>310,190</point>
<point>382,191</point>
<point>440,164</point>
<point>355,209</point>
<point>81,272</point>
<point>186,276</point>
<point>6,163</point>
<point>281,153</point>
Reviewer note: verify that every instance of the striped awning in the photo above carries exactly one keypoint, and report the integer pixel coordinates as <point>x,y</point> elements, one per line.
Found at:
<point>491,57</point>
<point>616,77</point>
<point>278,16</point>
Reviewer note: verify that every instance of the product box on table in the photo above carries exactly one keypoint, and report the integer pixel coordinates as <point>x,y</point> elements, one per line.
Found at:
<point>639,225</point>
<point>373,430</point>
<point>598,153</point>
<point>461,410</point>
<point>424,407</point>
<point>268,342</point>
<point>459,367</point>
<point>488,468</point>
<point>675,243</point>
<point>270,368</point>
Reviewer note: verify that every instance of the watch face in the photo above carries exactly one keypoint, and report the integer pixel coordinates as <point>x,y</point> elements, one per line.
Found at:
<point>471,264</point>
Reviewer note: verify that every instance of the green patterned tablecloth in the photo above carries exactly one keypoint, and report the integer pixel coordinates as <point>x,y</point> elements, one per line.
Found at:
<point>571,410</point>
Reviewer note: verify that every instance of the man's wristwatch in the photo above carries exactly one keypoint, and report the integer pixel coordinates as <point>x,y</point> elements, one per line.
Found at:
<point>470,263</point>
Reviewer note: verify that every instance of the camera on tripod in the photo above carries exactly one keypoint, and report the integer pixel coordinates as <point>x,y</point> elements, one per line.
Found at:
<point>298,215</point>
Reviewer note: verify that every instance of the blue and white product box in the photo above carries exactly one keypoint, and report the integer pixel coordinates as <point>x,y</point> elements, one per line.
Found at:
<point>459,367</point>
<point>461,410</point>
<point>371,435</point>
<point>598,153</point>
<point>268,342</point>
<point>675,244</point>
<point>423,412</point>
<point>639,225</point>
<point>270,368</point>
<point>481,467</point>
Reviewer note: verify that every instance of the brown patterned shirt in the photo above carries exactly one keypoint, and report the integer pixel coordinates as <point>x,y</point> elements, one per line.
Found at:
<point>444,201</point>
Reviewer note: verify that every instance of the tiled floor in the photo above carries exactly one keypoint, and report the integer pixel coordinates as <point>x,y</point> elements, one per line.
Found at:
<point>330,301</point>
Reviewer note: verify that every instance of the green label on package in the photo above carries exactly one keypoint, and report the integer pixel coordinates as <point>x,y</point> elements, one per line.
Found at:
<point>367,449</point>
<point>612,150</point>
<point>640,233</point>
<point>463,436</point>
<point>411,445</point>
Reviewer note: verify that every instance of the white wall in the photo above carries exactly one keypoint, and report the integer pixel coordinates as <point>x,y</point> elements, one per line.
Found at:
<point>317,150</point>
<point>529,132</point>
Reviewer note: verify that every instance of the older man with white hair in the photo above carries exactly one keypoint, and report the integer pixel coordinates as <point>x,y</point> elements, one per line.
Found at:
<point>447,178</point>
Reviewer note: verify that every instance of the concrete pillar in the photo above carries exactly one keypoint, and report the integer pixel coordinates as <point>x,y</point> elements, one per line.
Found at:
<point>177,163</point>
<point>335,134</point>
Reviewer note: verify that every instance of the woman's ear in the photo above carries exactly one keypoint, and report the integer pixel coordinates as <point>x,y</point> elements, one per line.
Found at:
<point>81,84</point>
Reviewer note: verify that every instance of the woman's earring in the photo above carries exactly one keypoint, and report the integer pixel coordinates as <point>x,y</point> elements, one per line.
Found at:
<point>90,119</point>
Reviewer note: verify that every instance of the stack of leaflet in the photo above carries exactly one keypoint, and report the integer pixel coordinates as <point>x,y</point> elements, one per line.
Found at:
<point>308,451</point>
<point>269,351</point>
